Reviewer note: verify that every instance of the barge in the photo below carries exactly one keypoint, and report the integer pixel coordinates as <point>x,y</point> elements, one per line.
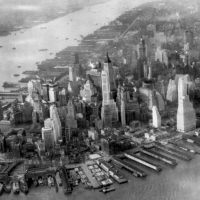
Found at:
<point>159,156</point>
<point>142,161</point>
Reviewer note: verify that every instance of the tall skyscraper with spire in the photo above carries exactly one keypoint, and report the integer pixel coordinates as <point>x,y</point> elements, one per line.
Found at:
<point>108,67</point>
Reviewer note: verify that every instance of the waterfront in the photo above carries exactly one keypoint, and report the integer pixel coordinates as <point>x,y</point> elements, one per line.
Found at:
<point>52,36</point>
<point>173,183</point>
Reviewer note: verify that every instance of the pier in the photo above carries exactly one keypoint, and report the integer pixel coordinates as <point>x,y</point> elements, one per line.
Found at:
<point>159,156</point>
<point>142,161</point>
<point>172,151</point>
<point>128,166</point>
<point>88,173</point>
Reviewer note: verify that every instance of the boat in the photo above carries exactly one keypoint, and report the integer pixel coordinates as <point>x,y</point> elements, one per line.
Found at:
<point>66,39</point>
<point>15,187</point>
<point>35,183</point>
<point>106,190</point>
<point>43,49</point>
<point>50,53</point>
<point>1,46</point>
<point>16,75</point>
<point>43,28</point>
<point>14,48</point>
<point>23,185</point>
<point>19,66</point>
<point>7,188</point>
<point>1,188</point>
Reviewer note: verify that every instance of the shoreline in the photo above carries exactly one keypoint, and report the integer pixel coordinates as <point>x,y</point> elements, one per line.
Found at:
<point>23,26</point>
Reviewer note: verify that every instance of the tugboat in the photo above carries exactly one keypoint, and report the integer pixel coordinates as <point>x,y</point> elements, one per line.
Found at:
<point>1,188</point>
<point>108,190</point>
<point>23,185</point>
<point>15,187</point>
<point>7,188</point>
<point>16,75</point>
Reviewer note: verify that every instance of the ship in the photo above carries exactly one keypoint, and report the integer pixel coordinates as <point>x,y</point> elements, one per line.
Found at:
<point>1,188</point>
<point>23,185</point>
<point>43,28</point>
<point>16,75</point>
<point>19,66</point>
<point>1,46</point>
<point>43,49</point>
<point>15,187</point>
<point>14,48</point>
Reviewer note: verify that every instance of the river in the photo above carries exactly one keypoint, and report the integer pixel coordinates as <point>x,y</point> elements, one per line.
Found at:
<point>52,36</point>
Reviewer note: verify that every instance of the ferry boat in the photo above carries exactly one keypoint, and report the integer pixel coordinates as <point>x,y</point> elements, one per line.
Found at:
<point>23,185</point>
<point>1,188</point>
<point>16,75</point>
<point>15,187</point>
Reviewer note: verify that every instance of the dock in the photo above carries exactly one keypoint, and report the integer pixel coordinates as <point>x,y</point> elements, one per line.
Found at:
<point>88,173</point>
<point>159,156</point>
<point>128,166</point>
<point>172,151</point>
<point>142,161</point>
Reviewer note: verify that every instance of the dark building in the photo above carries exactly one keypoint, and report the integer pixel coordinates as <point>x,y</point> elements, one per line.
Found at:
<point>188,38</point>
<point>142,57</point>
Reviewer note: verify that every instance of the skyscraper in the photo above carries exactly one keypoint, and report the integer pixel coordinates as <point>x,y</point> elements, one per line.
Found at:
<point>186,117</point>
<point>108,67</point>
<point>142,57</point>
<point>105,87</point>
<point>156,117</point>
<point>47,136</point>
<point>72,75</point>
<point>188,38</point>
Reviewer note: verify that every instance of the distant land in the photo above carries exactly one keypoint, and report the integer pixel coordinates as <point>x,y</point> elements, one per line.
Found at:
<point>23,14</point>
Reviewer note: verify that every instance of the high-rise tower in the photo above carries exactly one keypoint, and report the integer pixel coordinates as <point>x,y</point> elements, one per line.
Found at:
<point>105,87</point>
<point>186,118</point>
<point>108,67</point>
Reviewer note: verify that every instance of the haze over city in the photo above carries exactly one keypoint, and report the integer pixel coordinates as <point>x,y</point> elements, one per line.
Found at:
<point>99,99</point>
